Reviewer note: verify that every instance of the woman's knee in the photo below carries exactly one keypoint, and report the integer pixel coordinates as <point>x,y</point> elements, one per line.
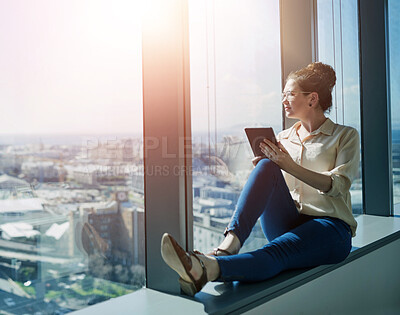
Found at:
<point>266,165</point>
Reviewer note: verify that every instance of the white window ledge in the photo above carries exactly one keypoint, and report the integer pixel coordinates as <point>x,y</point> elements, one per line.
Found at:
<point>373,232</point>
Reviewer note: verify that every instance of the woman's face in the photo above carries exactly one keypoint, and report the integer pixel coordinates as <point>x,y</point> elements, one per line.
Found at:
<point>296,104</point>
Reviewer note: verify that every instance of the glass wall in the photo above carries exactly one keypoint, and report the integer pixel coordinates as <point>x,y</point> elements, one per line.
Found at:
<point>338,46</point>
<point>235,83</point>
<point>71,180</point>
<point>394,83</point>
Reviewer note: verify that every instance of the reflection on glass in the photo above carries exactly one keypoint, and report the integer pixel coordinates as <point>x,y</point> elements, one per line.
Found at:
<point>338,46</point>
<point>235,83</point>
<point>71,185</point>
<point>394,62</point>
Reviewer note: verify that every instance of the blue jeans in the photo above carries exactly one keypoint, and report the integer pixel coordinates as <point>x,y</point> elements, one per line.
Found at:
<point>295,240</point>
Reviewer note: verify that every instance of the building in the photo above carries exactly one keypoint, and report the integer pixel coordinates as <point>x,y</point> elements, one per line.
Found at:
<point>86,175</point>
<point>132,241</point>
<point>113,229</point>
<point>11,186</point>
<point>220,193</point>
<point>43,171</point>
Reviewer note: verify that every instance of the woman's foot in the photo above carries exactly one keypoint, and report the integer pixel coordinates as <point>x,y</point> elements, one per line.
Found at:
<point>229,246</point>
<point>219,252</point>
<point>194,270</point>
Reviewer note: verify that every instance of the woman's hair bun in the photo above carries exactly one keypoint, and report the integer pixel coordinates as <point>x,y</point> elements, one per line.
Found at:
<point>316,77</point>
<point>325,72</point>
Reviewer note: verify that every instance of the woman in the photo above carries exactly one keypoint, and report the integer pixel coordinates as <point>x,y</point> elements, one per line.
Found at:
<point>300,192</point>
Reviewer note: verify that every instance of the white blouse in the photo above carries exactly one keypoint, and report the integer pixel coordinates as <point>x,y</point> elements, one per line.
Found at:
<point>333,150</point>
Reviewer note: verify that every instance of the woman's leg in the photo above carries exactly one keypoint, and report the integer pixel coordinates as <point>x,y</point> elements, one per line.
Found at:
<point>265,195</point>
<point>316,242</point>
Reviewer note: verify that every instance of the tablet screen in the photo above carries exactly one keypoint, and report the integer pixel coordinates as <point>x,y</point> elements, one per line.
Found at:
<point>256,136</point>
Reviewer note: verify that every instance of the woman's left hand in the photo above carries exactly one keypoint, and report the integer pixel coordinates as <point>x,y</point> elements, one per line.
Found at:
<point>277,154</point>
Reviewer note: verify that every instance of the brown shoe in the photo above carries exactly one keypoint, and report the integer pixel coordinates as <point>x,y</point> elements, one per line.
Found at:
<point>215,252</point>
<point>180,261</point>
<point>219,252</point>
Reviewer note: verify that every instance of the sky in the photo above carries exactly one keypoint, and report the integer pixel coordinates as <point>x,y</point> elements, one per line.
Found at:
<point>235,65</point>
<point>338,47</point>
<point>74,67</point>
<point>70,67</point>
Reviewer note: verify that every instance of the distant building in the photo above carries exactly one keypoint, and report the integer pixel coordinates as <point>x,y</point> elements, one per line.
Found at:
<point>11,183</point>
<point>219,193</point>
<point>86,175</point>
<point>15,188</point>
<point>196,190</point>
<point>17,230</point>
<point>103,217</point>
<point>114,229</point>
<point>97,174</point>
<point>138,182</point>
<point>10,162</point>
<point>205,239</point>
<point>206,205</point>
<point>14,209</point>
<point>116,150</point>
<point>133,242</point>
<point>208,233</point>
<point>209,222</point>
<point>43,171</point>
<point>57,231</point>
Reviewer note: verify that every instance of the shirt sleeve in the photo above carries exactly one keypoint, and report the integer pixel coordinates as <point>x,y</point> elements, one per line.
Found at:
<point>346,166</point>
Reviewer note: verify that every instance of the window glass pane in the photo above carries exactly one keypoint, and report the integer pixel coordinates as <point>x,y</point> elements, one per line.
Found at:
<point>394,46</point>
<point>338,47</point>
<point>235,83</point>
<point>71,186</point>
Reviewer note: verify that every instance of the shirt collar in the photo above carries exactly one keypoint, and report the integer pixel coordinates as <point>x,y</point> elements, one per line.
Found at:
<point>326,128</point>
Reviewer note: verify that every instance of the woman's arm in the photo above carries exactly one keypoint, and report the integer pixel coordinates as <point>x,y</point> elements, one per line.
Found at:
<point>319,181</point>
<point>281,157</point>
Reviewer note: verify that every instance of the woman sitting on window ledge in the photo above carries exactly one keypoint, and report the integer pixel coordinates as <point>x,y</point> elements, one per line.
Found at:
<point>305,209</point>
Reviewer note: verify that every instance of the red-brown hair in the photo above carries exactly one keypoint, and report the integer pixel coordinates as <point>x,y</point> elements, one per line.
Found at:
<point>316,77</point>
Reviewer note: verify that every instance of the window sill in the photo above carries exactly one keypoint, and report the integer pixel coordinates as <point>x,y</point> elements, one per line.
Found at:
<point>222,298</point>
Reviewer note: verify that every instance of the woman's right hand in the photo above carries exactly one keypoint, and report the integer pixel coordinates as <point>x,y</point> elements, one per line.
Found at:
<point>256,160</point>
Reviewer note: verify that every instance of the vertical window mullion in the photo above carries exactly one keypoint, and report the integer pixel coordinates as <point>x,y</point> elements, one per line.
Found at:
<point>375,108</point>
<point>166,133</point>
<point>297,18</point>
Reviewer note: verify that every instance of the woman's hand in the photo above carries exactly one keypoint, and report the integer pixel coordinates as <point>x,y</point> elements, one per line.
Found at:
<point>257,159</point>
<point>278,154</point>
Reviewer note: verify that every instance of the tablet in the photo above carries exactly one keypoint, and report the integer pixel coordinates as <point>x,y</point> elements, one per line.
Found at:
<point>256,136</point>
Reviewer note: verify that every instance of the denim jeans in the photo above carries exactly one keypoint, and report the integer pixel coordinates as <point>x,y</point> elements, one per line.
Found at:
<point>295,240</point>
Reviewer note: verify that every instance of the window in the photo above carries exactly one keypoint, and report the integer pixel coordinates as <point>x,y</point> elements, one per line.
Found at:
<point>235,83</point>
<point>394,43</point>
<point>71,185</point>
<point>338,46</point>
